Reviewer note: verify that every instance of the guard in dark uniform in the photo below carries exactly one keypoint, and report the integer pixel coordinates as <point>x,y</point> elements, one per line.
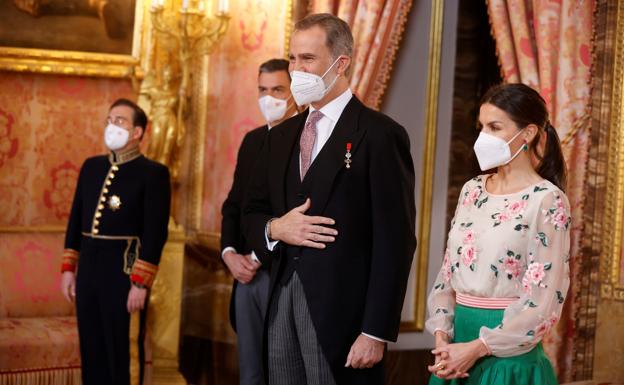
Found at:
<point>115,236</point>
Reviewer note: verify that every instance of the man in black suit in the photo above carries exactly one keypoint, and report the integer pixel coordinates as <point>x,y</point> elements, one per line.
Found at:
<point>332,205</point>
<point>251,285</point>
<point>115,236</point>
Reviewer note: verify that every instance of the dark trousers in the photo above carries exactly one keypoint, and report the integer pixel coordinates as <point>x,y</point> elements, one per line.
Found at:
<point>102,290</point>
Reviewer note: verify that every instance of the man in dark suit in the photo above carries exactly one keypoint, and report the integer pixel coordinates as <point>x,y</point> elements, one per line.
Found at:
<point>251,285</point>
<point>332,204</point>
<point>115,236</point>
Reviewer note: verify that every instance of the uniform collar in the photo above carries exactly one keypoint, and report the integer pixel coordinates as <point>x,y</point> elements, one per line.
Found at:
<point>120,157</point>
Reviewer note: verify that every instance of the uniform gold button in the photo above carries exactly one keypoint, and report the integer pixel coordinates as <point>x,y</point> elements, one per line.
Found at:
<point>95,231</point>
<point>108,182</point>
<point>115,168</point>
<point>103,199</point>
<point>98,214</point>
<point>105,190</point>
<point>96,222</point>
<point>111,176</point>
<point>100,207</point>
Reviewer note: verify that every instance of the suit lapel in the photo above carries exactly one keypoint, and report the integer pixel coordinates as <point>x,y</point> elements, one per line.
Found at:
<point>320,177</point>
<point>282,142</point>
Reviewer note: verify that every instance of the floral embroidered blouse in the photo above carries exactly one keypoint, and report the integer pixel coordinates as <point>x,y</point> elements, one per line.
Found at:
<point>506,246</point>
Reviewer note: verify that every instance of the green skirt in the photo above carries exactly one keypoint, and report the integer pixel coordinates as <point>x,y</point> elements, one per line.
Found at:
<point>531,368</point>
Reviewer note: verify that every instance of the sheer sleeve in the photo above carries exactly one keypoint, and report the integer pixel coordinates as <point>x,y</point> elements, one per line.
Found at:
<point>441,300</point>
<point>545,283</point>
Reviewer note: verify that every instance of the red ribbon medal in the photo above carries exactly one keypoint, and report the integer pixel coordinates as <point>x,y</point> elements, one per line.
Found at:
<point>348,156</point>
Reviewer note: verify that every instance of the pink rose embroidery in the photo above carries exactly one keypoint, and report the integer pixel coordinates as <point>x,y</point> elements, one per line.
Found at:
<point>558,215</point>
<point>447,271</point>
<point>469,237</point>
<point>468,256</point>
<point>535,273</point>
<point>472,196</point>
<point>526,286</point>
<point>546,325</point>
<point>560,218</point>
<point>516,209</point>
<point>512,267</point>
<point>500,218</point>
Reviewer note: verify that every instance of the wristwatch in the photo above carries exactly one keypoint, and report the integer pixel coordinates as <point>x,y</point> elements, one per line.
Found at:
<point>267,229</point>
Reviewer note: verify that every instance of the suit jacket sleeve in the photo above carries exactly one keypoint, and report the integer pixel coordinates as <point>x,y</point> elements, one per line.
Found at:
<point>391,176</point>
<point>257,206</point>
<point>156,208</point>
<point>73,234</point>
<point>232,208</point>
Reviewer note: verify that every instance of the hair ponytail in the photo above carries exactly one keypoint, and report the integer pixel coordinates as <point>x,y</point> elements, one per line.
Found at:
<point>552,165</point>
<point>525,106</point>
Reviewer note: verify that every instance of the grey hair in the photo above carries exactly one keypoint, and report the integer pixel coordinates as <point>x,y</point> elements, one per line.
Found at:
<point>339,38</point>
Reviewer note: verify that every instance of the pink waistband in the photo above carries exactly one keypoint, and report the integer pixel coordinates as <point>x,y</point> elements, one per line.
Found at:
<point>482,302</point>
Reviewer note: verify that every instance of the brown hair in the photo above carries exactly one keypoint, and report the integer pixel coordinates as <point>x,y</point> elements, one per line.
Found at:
<point>526,106</point>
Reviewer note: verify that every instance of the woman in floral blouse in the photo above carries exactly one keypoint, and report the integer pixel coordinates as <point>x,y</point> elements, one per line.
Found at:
<point>505,274</point>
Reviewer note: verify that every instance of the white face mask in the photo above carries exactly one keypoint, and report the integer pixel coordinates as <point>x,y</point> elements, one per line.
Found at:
<point>493,151</point>
<point>115,137</point>
<point>308,88</point>
<point>273,109</point>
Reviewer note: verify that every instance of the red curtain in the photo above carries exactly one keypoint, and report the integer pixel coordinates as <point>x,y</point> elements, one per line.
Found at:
<point>377,28</point>
<point>547,45</point>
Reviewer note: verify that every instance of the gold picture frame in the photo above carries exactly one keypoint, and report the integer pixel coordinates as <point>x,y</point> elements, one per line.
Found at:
<point>417,324</point>
<point>611,268</point>
<point>81,63</point>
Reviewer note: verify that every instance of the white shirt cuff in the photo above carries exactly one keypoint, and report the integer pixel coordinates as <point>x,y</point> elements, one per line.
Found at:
<point>269,244</point>
<point>376,338</point>
<point>229,248</point>
<point>255,258</point>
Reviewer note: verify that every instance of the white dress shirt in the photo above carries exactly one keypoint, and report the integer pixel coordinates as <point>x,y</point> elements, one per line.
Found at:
<point>325,126</point>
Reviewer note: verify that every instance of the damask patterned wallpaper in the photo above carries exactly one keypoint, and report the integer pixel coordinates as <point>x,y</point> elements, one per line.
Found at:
<point>48,126</point>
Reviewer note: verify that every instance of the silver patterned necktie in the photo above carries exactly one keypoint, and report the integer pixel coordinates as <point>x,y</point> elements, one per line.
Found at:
<point>306,142</point>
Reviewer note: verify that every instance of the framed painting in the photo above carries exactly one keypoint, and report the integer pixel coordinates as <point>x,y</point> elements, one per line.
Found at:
<point>73,37</point>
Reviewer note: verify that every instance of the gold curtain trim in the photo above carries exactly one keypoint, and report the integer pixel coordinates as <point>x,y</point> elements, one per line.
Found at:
<point>493,34</point>
<point>384,72</point>
<point>56,376</point>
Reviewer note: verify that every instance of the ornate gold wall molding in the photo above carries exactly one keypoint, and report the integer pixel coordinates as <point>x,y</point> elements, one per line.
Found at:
<point>428,168</point>
<point>289,25</point>
<point>199,100</point>
<point>597,321</point>
<point>165,310</point>
<point>611,276</point>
